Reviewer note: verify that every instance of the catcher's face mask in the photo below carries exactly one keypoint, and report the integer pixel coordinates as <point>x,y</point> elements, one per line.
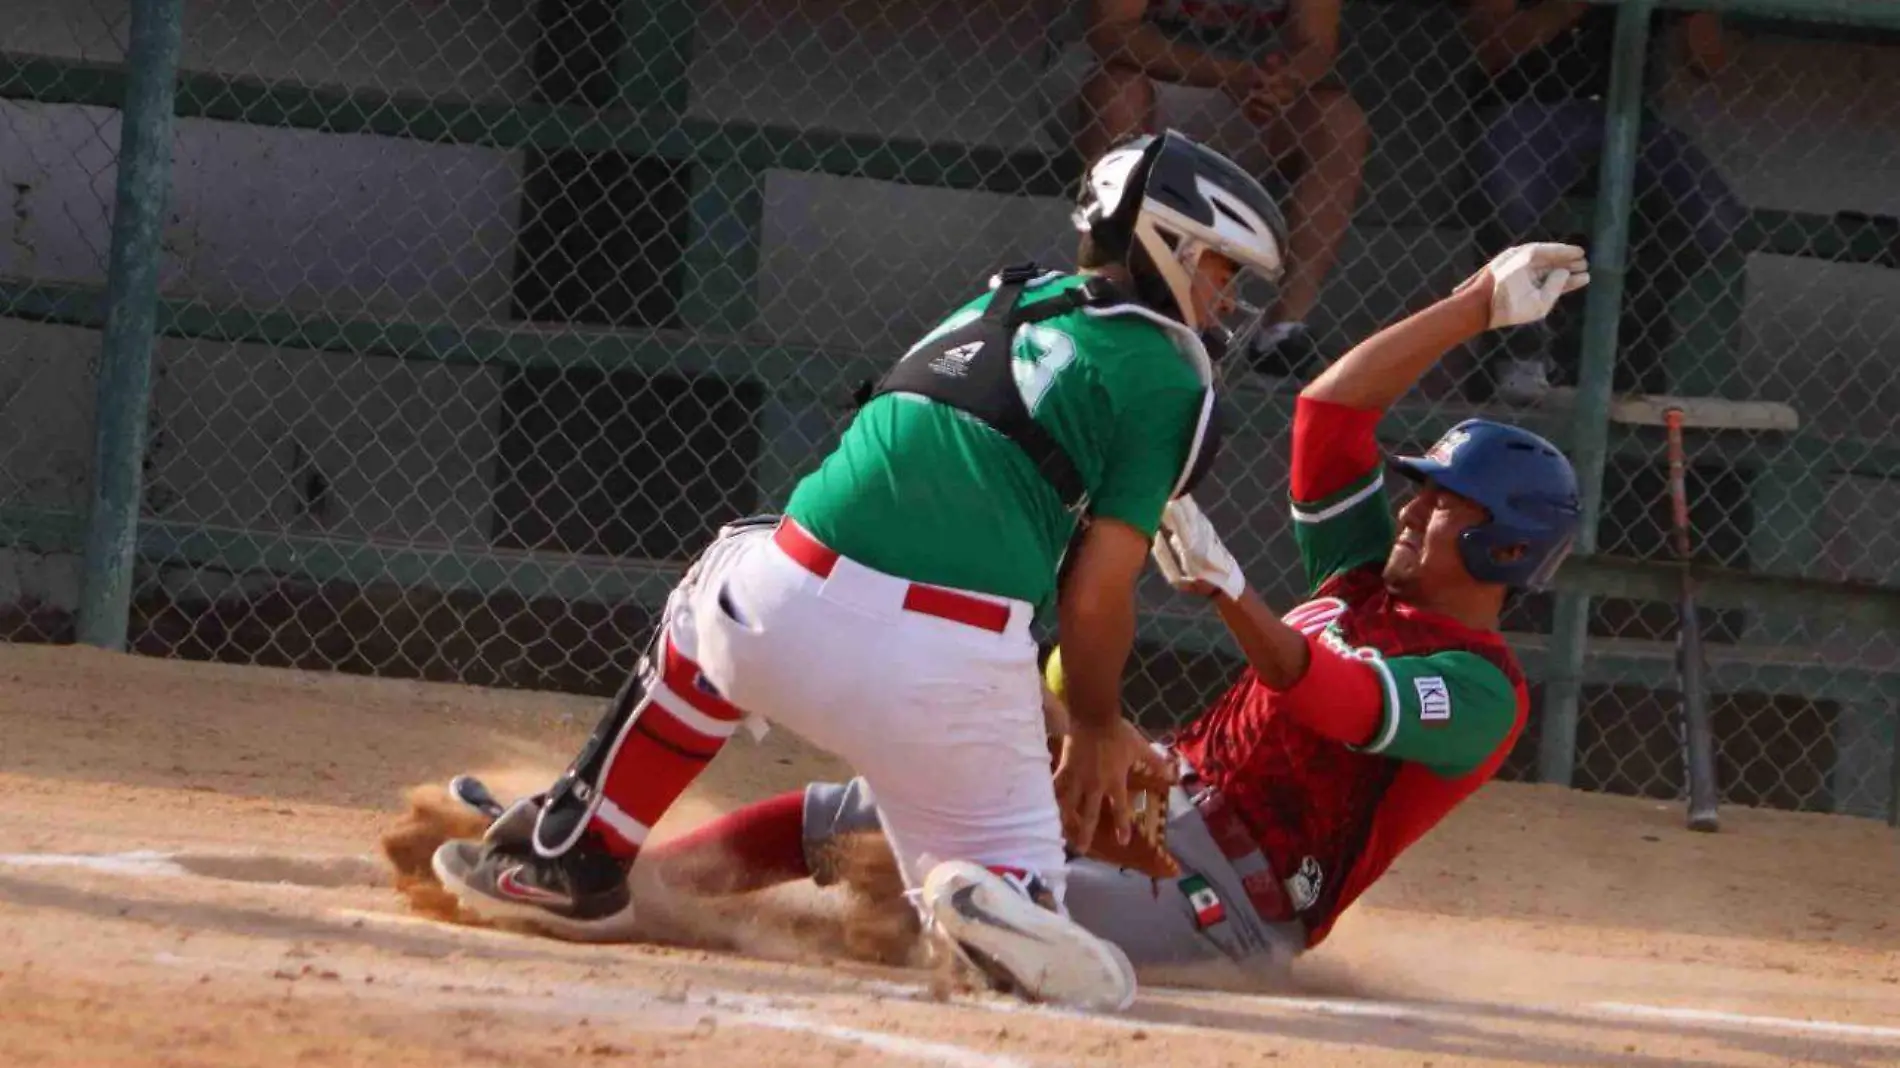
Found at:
<point>1230,302</point>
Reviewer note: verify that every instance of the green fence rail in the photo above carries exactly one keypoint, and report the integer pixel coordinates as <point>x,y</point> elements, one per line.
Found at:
<point>429,339</point>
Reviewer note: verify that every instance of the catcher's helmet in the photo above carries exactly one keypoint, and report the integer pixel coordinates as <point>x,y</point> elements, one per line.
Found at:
<point>1157,203</point>
<point>1523,481</point>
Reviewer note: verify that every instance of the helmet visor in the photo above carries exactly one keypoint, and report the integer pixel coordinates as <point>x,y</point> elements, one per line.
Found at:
<point>1546,570</point>
<point>1229,297</point>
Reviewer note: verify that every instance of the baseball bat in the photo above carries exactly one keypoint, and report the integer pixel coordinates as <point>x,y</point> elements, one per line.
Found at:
<point>1698,737</point>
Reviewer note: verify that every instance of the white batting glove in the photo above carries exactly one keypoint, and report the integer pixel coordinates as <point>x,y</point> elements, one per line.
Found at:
<point>1526,281</point>
<point>1190,553</point>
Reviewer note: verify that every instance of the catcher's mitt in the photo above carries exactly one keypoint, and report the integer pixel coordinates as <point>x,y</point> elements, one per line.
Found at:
<point>1147,848</point>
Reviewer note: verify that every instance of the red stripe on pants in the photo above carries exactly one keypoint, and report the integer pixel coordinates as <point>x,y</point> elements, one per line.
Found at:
<point>684,678</point>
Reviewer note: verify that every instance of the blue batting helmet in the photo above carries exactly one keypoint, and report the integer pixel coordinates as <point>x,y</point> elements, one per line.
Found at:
<point>1523,481</point>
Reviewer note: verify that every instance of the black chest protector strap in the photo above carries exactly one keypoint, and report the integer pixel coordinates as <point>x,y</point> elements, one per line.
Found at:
<point>1206,446</point>
<point>971,369</point>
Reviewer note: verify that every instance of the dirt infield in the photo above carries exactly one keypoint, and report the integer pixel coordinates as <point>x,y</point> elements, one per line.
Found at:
<point>189,876</point>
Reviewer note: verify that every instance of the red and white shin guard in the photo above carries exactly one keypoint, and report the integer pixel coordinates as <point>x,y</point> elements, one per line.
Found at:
<point>658,735</point>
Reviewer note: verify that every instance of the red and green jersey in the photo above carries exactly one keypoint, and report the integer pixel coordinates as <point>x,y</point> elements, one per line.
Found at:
<point>1331,815</point>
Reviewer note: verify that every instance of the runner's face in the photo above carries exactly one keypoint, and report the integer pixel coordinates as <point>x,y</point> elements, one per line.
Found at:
<point>1425,556</point>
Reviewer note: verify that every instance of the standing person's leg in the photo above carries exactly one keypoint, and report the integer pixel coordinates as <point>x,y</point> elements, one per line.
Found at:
<point>1686,223</point>
<point>1530,155</point>
<point>1702,203</point>
<point>946,714</point>
<point>1116,101</point>
<point>940,711</point>
<point>1320,143</point>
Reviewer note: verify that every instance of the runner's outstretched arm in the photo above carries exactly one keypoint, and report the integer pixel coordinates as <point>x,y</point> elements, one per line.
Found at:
<point>1382,368</point>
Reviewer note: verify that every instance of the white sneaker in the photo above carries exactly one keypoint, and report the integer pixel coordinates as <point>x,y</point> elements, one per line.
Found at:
<point>997,921</point>
<point>1524,381</point>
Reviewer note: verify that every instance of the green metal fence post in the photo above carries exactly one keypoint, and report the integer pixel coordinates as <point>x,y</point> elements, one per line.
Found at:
<point>1589,437</point>
<point>1893,751</point>
<point>125,354</point>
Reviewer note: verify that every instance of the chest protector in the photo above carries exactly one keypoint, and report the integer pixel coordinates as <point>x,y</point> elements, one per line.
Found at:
<point>971,369</point>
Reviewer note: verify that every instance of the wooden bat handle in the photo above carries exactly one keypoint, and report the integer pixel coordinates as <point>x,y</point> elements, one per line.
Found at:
<point>1678,489</point>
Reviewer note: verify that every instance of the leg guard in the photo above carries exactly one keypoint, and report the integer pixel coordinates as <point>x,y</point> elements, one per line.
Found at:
<point>658,734</point>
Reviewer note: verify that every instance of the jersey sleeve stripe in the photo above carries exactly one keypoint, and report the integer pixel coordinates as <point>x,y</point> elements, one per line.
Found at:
<point>1391,728</point>
<point>1303,513</point>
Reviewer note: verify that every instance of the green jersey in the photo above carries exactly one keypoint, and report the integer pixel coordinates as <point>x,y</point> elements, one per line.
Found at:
<point>928,492</point>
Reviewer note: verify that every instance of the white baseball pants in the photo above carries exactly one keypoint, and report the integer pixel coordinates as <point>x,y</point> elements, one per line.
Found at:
<point>942,719</point>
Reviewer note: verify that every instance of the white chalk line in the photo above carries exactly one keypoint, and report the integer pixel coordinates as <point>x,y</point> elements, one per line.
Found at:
<point>752,1011</point>
<point>459,930</point>
<point>1429,1012</point>
<point>1742,1020</point>
<point>594,1001</point>
<point>1425,1012</point>
<point>140,863</point>
<point>1596,1012</point>
<point>156,864</point>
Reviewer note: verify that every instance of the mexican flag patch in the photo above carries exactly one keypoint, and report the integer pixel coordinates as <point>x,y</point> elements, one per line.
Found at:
<point>1204,901</point>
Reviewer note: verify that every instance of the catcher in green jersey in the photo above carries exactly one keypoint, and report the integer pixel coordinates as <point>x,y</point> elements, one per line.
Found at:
<point>886,616</point>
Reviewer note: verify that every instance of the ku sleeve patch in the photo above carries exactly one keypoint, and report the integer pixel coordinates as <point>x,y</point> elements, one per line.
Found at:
<point>1420,725</point>
<point>1434,699</point>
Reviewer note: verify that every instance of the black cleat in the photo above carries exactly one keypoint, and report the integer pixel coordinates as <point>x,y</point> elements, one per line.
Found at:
<point>474,793</point>
<point>581,895</point>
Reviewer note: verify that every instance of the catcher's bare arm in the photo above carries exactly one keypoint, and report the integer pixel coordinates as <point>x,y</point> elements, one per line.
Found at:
<point>1096,617</point>
<point>1096,610</point>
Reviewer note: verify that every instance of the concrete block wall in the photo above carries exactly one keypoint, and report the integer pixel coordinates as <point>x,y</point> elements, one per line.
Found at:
<point>271,219</point>
<point>280,439</point>
<point>46,387</point>
<point>864,266</point>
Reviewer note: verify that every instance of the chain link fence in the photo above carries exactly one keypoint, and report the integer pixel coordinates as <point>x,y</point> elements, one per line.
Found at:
<point>476,317</point>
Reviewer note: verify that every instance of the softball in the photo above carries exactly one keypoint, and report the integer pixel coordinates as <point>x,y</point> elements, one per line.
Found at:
<point>1052,675</point>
